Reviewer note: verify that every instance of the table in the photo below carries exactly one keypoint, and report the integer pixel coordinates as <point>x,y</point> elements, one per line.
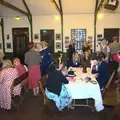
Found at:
<point>82,90</point>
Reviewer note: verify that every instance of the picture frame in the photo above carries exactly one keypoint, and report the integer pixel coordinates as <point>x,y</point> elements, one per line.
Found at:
<point>7,36</point>
<point>58,45</point>
<point>36,36</point>
<point>67,37</point>
<point>8,45</point>
<point>58,36</point>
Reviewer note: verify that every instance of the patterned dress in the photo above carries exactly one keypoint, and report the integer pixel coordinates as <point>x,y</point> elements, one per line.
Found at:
<point>5,96</point>
<point>61,101</point>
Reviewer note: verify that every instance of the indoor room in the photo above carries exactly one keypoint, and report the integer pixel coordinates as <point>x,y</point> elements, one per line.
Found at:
<point>59,59</point>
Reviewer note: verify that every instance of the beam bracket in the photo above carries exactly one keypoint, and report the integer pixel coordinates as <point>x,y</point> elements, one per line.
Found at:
<point>29,18</point>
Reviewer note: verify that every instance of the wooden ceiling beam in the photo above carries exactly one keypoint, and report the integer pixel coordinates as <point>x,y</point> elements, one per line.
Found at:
<point>61,9</point>
<point>13,7</point>
<point>100,5</point>
<point>27,8</point>
<point>56,6</point>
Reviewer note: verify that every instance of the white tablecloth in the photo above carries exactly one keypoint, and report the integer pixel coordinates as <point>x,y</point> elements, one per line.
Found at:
<point>82,90</point>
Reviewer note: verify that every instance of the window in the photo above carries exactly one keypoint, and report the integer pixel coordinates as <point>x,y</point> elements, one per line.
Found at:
<point>78,36</point>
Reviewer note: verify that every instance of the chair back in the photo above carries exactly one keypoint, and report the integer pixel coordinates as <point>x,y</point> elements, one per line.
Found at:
<point>42,83</point>
<point>108,84</point>
<point>18,81</point>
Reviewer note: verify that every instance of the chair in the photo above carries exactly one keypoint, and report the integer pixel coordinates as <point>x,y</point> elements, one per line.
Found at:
<point>108,84</point>
<point>116,113</point>
<point>47,102</point>
<point>16,82</point>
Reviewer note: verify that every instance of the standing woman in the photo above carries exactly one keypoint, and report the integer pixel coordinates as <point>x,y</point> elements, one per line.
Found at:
<point>46,58</point>
<point>32,59</point>
<point>86,46</point>
<point>71,50</point>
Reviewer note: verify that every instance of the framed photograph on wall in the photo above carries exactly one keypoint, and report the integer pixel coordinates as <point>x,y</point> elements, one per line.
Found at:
<point>36,36</point>
<point>58,45</point>
<point>58,36</point>
<point>9,46</point>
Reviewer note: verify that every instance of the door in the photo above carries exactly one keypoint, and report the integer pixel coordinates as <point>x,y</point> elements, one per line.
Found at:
<point>110,33</point>
<point>48,36</point>
<point>20,42</point>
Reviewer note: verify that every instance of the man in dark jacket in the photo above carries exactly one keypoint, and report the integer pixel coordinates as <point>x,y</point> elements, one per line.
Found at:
<point>103,73</point>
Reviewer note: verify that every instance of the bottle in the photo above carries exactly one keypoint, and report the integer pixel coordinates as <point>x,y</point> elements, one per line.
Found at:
<point>84,69</point>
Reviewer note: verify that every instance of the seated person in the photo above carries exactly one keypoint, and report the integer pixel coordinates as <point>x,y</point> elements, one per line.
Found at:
<point>60,60</point>
<point>21,70</point>
<point>7,75</point>
<point>103,73</point>
<point>76,60</point>
<point>55,89</point>
<point>86,59</point>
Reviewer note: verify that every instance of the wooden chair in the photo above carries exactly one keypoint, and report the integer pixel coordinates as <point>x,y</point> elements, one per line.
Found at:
<point>116,113</point>
<point>47,102</point>
<point>16,82</point>
<point>108,84</point>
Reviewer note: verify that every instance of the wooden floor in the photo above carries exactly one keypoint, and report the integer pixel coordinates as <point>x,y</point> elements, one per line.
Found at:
<point>30,110</point>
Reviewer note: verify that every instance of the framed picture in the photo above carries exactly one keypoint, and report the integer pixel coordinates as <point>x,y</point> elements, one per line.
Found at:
<point>67,37</point>
<point>36,36</point>
<point>58,45</point>
<point>8,45</point>
<point>8,36</point>
<point>58,36</point>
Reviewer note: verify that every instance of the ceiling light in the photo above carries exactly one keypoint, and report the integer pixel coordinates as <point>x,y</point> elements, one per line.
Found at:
<point>100,16</point>
<point>17,18</point>
<point>57,17</point>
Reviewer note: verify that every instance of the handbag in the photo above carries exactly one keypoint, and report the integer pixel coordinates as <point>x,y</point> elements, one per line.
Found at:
<point>116,57</point>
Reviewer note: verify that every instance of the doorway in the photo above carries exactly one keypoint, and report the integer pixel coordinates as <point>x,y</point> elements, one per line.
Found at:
<point>48,36</point>
<point>20,42</point>
<point>109,33</point>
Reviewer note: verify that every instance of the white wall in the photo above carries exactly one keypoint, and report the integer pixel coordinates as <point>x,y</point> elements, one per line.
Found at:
<point>83,21</point>
<point>46,22</point>
<point>110,20</point>
<point>10,23</point>
<point>78,21</point>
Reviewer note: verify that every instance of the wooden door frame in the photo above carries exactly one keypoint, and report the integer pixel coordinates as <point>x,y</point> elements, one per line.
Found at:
<point>18,35</point>
<point>54,36</point>
<point>112,28</point>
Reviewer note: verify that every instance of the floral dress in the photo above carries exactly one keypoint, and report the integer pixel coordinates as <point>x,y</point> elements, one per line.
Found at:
<point>61,101</point>
<point>10,74</point>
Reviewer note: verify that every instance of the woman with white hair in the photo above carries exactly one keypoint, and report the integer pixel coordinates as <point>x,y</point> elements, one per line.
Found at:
<point>7,75</point>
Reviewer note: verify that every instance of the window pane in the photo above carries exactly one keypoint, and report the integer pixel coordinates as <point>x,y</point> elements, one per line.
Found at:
<point>79,36</point>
